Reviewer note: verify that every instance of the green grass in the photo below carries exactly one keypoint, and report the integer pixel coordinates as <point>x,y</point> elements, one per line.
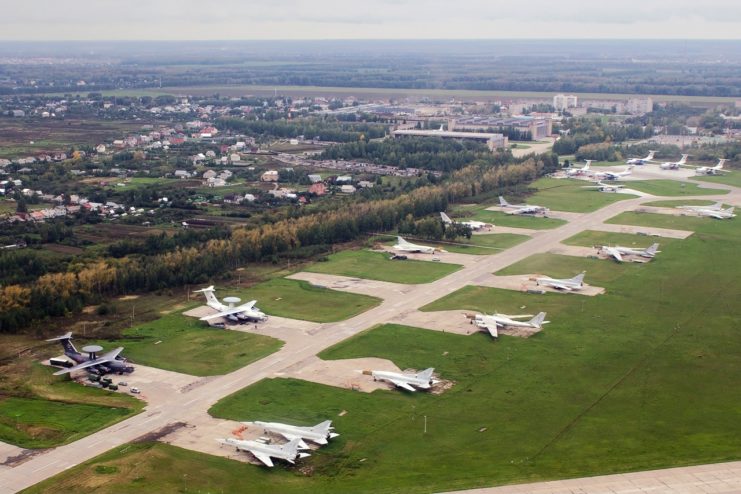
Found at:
<point>662,220</point>
<point>377,266</point>
<point>635,379</point>
<point>190,346</point>
<point>733,178</point>
<point>51,410</point>
<point>588,238</point>
<point>515,221</point>
<point>485,244</point>
<point>599,272</point>
<point>679,202</point>
<point>671,188</point>
<point>300,300</point>
<point>571,195</point>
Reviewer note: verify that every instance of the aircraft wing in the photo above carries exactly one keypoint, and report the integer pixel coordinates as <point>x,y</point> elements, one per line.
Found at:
<point>493,330</point>
<point>84,365</point>
<point>112,354</point>
<point>402,384</point>
<point>263,458</point>
<point>235,310</point>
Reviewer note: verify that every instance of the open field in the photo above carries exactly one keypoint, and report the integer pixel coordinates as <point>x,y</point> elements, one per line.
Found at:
<point>480,245</point>
<point>570,195</point>
<point>671,188</point>
<point>365,92</point>
<point>673,203</point>
<point>733,178</point>
<point>52,410</point>
<point>184,344</point>
<point>514,220</point>
<point>588,238</point>
<point>688,222</point>
<point>377,266</point>
<point>300,300</point>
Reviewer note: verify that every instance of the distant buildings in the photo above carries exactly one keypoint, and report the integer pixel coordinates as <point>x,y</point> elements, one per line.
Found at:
<point>565,101</point>
<point>269,176</point>
<point>639,106</point>
<point>493,141</point>
<point>537,127</point>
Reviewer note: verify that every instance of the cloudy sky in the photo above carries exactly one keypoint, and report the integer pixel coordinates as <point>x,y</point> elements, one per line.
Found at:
<point>368,19</point>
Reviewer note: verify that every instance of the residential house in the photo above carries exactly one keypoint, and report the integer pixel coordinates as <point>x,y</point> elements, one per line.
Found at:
<point>208,174</point>
<point>315,178</point>
<point>182,174</point>
<point>318,188</point>
<point>269,176</point>
<point>347,189</point>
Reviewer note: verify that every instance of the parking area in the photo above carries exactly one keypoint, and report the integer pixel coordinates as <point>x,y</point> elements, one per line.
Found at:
<point>382,289</point>
<point>347,373</point>
<point>454,321</point>
<point>525,282</point>
<point>641,230</point>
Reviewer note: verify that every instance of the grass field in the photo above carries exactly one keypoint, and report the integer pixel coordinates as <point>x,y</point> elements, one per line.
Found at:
<point>190,346</point>
<point>377,266</point>
<point>733,178</point>
<point>663,220</point>
<point>673,203</point>
<point>671,188</point>
<point>635,379</point>
<point>300,300</point>
<point>588,238</point>
<point>52,410</point>
<point>570,195</point>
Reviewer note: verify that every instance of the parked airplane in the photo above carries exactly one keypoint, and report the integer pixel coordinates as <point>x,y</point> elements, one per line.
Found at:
<point>718,214</point>
<point>405,246</point>
<point>675,165</point>
<point>318,434</point>
<point>264,452</point>
<point>110,362</point>
<point>421,380</point>
<point>493,322</point>
<point>473,225</point>
<point>570,284</point>
<point>614,175</point>
<point>244,312</point>
<point>711,170</point>
<point>521,208</point>
<point>618,252</point>
<point>641,161</point>
<point>713,207</point>
<point>603,187</point>
<point>571,172</point>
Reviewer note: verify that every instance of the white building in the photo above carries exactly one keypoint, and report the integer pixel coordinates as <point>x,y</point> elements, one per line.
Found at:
<point>639,106</point>
<point>564,101</point>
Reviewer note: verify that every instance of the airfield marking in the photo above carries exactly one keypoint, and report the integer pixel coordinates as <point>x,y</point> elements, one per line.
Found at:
<point>324,336</point>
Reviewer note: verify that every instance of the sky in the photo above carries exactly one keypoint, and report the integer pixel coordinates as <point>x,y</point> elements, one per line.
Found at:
<point>369,19</point>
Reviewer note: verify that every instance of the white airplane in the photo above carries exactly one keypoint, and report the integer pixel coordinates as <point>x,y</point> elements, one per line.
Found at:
<point>493,322</point>
<point>603,187</point>
<point>713,207</point>
<point>675,165</point>
<point>571,172</point>
<point>614,175</point>
<point>264,452</point>
<point>618,252</point>
<point>421,380</point>
<point>405,246</point>
<point>720,214</point>
<point>521,208</point>
<point>711,170</point>
<point>473,225</point>
<point>641,161</point>
<point>244,312</point>
<point>570,284</point>
<point>317,434</point>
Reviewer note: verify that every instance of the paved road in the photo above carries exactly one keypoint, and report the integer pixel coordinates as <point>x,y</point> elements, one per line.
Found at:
<point>196,399</point>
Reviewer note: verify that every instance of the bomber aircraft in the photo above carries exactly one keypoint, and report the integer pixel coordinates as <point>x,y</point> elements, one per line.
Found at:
<point>421,380</point>
<point>318,434</point>
<point>473,225</point>
<point>617,252</point>
<point>570,284</point>
<point>603,187</point>
<point>521,208</point>
<point>244,312</point>
<point>493,322</point>
<point>405,246</point>
<point>719,214</point>
<point>264,452</point>
<point>110,362</point>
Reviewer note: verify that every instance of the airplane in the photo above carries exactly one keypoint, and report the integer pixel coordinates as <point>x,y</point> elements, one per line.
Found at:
<point>405,246</point>
<point>244,312</point>
<point>493,322</point>
<point>713,207</point>
<point>603,187</point>
<point>317,434</point>
<point>421,380</point>
<point>108,363</point>
<point>641,161</point>
<point>473,225</point>
<point>264,452</point>
<point>614,175</point>
<point>521,208</point>
<point>570,284</point>
<point>719,214</point>
<point>570,172</point>
<point>711,170</point>
<point>618,252</point>
<point>674,165</point>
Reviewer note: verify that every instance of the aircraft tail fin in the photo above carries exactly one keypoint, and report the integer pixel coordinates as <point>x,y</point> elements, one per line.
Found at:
<point>323,428</point>
<point>579,278</point>
<point>291,447</point>
<point>537,321</point>
<point>503,202</point>
<point>729,210</point>
<point>208,293</point>
<point>426,374</point>
<point>652,250</point>
<point>446,219</point>
<point>683,159</point>
<point>650,155</point>
<point>66,341</point>
<point>720,164</point>
<point>587,165</point>
<point>401,241</point>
